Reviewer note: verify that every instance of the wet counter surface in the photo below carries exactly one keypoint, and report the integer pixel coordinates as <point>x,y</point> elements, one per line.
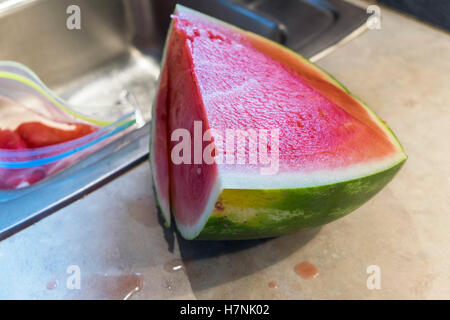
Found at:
<point>114,239</point>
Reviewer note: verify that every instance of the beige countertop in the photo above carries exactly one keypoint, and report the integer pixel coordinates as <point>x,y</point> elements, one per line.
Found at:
<point>403,72</point>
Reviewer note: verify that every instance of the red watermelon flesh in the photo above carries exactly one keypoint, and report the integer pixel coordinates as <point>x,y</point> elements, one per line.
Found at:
<point>31,135</point>
<point>231,79</point>
<point>159,146</point>
<point>11,140</point>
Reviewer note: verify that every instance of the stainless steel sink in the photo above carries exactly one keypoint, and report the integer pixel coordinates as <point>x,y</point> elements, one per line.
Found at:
<point>87,66</point>
<point>116,54</point>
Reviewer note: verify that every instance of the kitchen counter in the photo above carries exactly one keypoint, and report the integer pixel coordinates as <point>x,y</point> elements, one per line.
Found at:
<point>116,241</point>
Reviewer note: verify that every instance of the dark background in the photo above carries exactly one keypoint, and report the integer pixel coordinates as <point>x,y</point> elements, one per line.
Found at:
<point>435,12</point>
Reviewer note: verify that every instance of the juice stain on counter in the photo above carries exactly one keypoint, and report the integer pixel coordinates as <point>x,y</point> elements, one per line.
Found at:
<point>121,287</point>
<point>53,284</point>
<point>109,287</point>
<point>306,270</point>
<point>273,285</point>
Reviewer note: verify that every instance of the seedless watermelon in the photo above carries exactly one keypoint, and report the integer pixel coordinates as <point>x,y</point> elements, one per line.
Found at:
<point>328,153</point>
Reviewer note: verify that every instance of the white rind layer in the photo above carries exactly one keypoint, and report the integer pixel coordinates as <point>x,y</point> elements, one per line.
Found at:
<point>238,179</point>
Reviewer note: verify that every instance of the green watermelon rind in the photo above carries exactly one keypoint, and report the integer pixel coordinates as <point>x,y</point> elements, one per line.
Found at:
<point>263,213</point>
<point>252,213</point>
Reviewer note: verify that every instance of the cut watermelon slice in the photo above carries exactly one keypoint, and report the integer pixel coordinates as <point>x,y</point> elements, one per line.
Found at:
<point>332,153</point>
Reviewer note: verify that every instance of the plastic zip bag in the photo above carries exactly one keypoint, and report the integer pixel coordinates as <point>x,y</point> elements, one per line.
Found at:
<point>22,95</point>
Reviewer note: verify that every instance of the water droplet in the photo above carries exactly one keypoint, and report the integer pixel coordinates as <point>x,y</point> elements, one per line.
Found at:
<point>53,284</point>
<point>174,265</point>
<point>167,285</point>
<point>219,206</point>
<point>306,270</point>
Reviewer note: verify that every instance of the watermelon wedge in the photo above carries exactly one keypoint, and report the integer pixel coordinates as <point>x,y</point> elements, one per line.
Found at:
<point>291,147</point>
